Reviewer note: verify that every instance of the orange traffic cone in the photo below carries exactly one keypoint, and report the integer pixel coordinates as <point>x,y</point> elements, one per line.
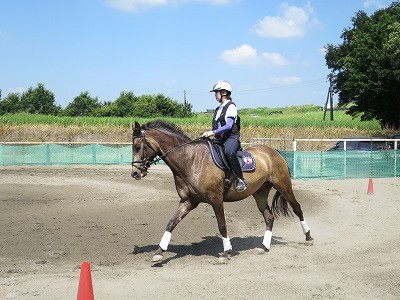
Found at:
<point>85,289</point>
<point>370,187</point>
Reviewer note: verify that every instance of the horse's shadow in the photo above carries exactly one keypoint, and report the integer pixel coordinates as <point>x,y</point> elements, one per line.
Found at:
<point>209,246</point>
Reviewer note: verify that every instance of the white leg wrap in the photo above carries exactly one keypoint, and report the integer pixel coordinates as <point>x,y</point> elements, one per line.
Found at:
<point>165,240</point>
<point>227,244</point>
<point>304,226</point>
<point>267,239</point>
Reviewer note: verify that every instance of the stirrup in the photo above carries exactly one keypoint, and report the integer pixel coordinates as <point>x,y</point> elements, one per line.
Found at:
<point>240,185</point>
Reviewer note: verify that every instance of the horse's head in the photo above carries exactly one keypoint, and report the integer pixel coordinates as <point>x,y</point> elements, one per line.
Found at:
<point>143,152</point>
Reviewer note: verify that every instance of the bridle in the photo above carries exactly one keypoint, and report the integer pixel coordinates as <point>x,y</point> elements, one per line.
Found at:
<point>145,160</point>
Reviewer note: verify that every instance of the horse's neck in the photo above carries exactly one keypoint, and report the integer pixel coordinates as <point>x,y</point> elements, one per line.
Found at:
<point>169,144</point>
<point>166,142</point>
<point>174,153</point>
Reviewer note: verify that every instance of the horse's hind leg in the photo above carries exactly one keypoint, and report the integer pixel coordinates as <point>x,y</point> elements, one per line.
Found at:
<point>298,212</point>
<point>284,187</point>
<point>261,197</point>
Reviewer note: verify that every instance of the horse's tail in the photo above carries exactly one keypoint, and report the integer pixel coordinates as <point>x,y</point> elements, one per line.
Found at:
<point>280,206</point>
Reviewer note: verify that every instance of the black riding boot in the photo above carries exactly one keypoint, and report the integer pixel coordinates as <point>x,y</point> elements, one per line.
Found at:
<point>235,166</point>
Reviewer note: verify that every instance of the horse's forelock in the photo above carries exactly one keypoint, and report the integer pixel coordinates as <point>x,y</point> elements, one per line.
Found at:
<point>165,126</point>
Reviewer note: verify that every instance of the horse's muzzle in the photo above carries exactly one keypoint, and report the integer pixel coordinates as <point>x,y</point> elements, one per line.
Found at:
<point>138,174</point>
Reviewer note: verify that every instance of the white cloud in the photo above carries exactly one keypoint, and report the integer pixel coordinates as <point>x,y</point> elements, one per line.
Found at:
<point>292,23</point>
<point>373,3</point>
<point>217,1</point>
<point>140,5</point>
<point>243,54</point>
<point>135,5</point>
<point>274,59</point>
<point>247,55</point>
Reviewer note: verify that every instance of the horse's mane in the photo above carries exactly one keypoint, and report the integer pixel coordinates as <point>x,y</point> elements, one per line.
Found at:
<point>165,126</point>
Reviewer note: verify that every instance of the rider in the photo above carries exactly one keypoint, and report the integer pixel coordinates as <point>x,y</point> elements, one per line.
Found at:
<point>226,128</point>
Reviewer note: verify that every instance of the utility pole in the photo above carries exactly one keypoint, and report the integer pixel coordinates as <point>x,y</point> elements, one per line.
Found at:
<point>186,109</point>
<point>329,98</point>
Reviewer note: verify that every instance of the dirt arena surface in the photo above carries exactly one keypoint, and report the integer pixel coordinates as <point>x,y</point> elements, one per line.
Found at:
<point>53,218</point>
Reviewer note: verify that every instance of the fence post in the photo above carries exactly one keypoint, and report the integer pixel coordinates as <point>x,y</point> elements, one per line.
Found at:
<point>48,161</point>
<point>294,158</point>
<point>395,158</point>
<point>94,159</point>
<point>1,154</point>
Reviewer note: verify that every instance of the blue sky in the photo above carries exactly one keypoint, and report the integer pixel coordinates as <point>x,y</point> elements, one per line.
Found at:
<point>271,51</point>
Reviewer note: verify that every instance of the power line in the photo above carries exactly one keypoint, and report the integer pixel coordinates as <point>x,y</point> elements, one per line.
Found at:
<point>278,88</point>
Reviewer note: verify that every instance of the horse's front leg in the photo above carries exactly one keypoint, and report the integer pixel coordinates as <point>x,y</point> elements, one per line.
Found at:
<point>220,215</point>
<point>185,206</point>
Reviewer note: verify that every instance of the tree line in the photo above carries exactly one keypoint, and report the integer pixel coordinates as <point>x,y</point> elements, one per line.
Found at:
<point>40,100</point>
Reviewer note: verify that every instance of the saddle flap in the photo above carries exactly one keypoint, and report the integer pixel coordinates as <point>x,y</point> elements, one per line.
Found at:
<point>246,159</point>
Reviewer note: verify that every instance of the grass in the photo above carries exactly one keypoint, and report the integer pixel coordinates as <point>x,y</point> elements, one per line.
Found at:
<point>294,116</point>
<point>294,122</point>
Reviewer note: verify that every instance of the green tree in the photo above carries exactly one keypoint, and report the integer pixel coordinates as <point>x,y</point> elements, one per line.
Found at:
<point>39,100</point>
<point>83,105</point>
<point>153,106</point>
<point>107,109</point>
<point>145,107</point>
<point>365,66</point>
<point>124,105</point>
<point>11,104</point>
<point>165,106</point>
<point>185,110</point>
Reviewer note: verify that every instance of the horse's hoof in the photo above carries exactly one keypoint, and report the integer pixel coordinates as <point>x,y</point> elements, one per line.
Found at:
<point>309,243</point>
<point>222,260</point>
<point>224,257</point>
<point>157,257</point>
<point>261,250</point>
<point>309,239</point>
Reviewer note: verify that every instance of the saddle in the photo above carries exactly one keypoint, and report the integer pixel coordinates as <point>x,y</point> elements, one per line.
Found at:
<point>246,159</point>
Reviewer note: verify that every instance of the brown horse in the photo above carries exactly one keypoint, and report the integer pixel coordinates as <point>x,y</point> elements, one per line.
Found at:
<point>198,179</point>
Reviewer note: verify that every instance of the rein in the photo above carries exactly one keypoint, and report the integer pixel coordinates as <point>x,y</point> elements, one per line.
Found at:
<point>173,149</point>
<point>147,162</point>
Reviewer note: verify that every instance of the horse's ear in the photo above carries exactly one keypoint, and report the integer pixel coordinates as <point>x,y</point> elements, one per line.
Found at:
<point>136,128</point>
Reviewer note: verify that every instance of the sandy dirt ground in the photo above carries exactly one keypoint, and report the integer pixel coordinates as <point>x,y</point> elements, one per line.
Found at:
<point>54,218</point>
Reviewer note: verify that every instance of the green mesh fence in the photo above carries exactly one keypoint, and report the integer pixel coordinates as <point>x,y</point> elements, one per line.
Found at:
<point>65,154</point>
<point>302,164</point>
<point>343,164</point>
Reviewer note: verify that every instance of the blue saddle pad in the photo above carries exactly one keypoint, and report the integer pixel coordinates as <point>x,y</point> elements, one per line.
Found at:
<point>246,159</point>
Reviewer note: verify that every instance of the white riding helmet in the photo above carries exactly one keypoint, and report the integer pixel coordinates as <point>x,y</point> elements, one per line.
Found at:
<point>222,85</point>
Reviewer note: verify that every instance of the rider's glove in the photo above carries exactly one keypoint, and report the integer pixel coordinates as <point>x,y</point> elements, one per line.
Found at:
<point>207,134</point>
